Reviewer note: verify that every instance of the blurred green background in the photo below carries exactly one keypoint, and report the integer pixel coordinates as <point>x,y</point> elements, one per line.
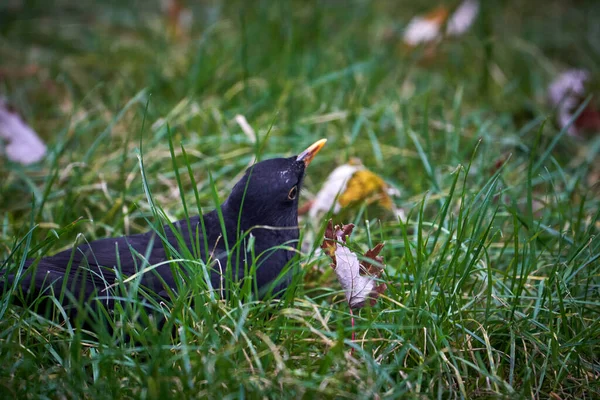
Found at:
<point>101,80</point>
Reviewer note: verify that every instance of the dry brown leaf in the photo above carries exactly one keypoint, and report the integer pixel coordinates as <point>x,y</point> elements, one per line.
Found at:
<point>373,254</point>
<point>566,93</point>
<point>589,119</point>
<point>179,17</point>
<point>358,279</point>
<point>331,236</point>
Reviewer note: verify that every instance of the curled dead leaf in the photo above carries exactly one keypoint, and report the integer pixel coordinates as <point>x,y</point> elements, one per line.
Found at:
<point>365,185</point>
<point>179,17</point>
<point>567,92</point>
<point>373,254</point>
<point>463,18</point>
<point>333,234</point>
<point>357,277</point>
<point>351,184</point>
<point>427,29</point>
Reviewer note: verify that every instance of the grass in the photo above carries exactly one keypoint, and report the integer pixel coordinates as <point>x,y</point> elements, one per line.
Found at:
<point>493,280</point>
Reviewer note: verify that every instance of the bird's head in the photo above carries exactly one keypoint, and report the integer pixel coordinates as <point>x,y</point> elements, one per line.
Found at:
<point>268,192</point>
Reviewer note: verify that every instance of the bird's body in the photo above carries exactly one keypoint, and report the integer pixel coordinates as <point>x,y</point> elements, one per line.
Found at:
<point>260,221</point>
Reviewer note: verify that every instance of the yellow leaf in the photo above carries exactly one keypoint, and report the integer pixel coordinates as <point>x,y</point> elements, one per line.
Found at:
<point>365,185</point>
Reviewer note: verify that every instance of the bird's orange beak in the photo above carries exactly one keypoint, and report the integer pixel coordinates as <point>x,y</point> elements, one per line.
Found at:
<point>307,155</point>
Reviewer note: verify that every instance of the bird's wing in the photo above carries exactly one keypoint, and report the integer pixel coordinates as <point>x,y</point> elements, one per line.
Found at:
<point>93,267</point>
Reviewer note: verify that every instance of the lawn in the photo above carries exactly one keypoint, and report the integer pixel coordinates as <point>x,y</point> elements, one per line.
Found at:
<point>493,277</point>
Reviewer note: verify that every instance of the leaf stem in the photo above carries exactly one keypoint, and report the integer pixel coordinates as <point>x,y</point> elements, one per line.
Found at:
<point>353,337</point>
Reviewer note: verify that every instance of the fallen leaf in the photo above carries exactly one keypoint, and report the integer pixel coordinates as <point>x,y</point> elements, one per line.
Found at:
<point>357,278</point>
<point>365,185</point>
<point>24,146</point>
<point>350,184</point>
<point>334,185</point>
<point>333,234</point>
<point>425,29</point>
<point>428,28</point>
<point>373,254</point>
<point>566,93</point>
<point>589,119</point>
<point>179,17</point>
<point>463,18</point>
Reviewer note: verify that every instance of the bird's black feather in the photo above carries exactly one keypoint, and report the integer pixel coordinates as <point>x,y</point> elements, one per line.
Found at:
<point>259,205</point>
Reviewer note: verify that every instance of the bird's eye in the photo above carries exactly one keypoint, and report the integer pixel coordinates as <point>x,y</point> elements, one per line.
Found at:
<point>293,193</point>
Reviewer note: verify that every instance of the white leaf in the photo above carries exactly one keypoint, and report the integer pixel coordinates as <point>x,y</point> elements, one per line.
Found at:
<point>569,83</point>
<point>462,19</point>
<point>335,184</point>
<point>421,30</point>
<point>24,145</point>
<point>427,29</point>
<point>566,93</point>
<point>357,286</point>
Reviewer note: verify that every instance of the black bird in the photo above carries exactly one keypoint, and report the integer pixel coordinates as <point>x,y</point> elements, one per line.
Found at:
<point>262,208</point>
